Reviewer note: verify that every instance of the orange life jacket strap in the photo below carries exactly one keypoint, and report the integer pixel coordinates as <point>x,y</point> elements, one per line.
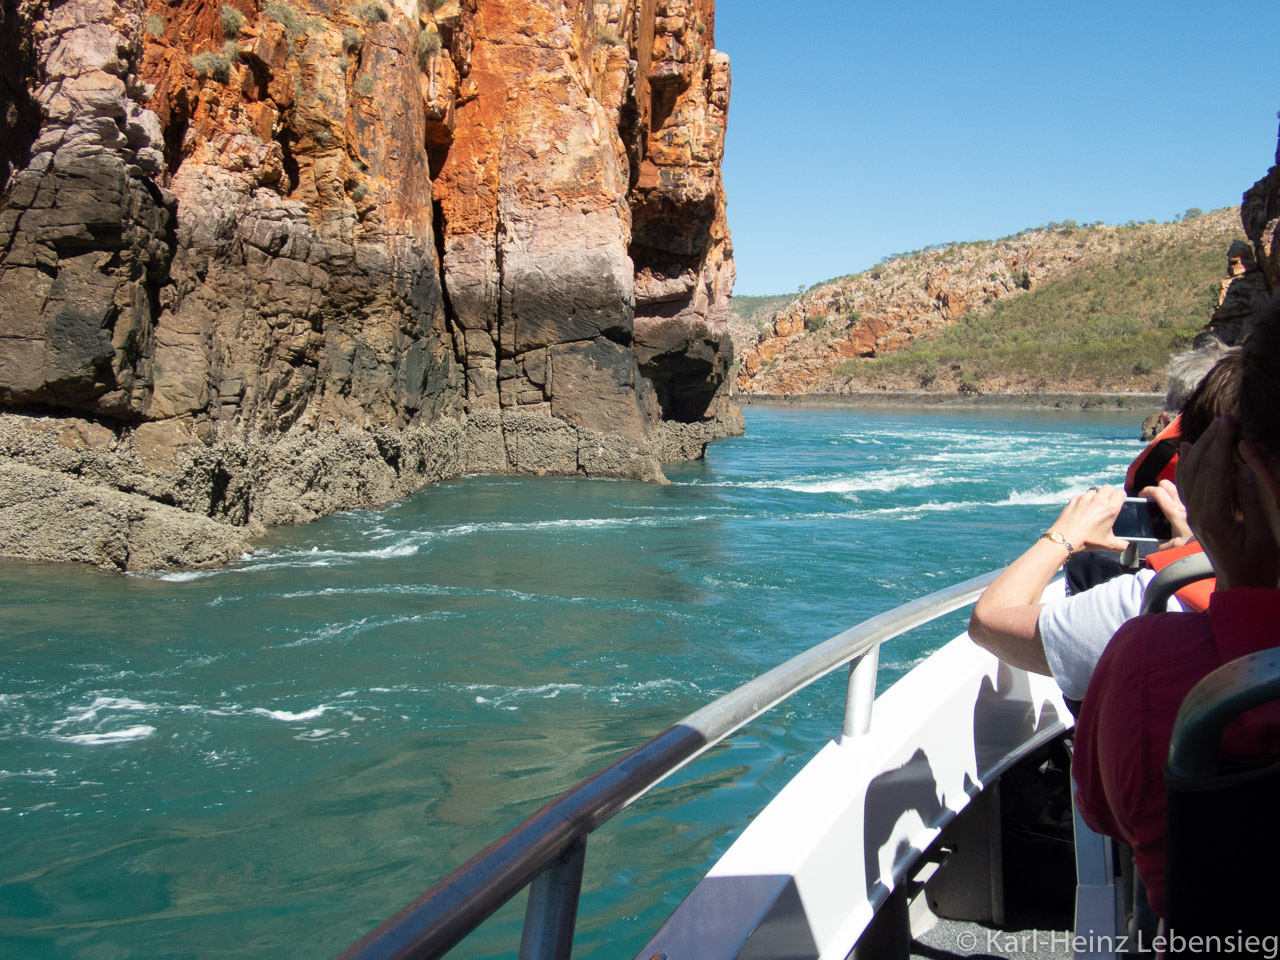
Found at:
<point>1159,461</point>
<point>1194,595</point>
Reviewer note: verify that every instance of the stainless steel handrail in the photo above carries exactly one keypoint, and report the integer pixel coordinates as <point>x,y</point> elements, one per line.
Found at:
<point>547,847</point>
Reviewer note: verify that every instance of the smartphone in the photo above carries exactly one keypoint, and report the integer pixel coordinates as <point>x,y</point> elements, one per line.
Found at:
<point>1141,520</point>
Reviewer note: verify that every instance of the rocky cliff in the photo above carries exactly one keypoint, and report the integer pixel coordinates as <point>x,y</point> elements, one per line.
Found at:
<point>1253,268</point>
<point>830,338</point>
<point>260,262</point>
<point>827,339</point>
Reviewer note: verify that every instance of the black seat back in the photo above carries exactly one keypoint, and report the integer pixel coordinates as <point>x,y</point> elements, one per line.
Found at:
<point>1223,816</point>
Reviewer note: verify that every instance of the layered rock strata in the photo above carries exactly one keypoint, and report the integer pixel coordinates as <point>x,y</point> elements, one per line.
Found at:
<point>260,263</point>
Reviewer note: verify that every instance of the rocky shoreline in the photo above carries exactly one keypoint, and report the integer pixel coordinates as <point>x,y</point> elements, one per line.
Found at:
<point>73,489</point>
<point>1144,403</point>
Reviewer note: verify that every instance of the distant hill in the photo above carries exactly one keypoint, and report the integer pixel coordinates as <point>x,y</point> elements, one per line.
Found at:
<point>750,317</point>
<point>1059,308</point>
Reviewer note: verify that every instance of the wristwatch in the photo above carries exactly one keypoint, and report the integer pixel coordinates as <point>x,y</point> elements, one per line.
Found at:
<point>1058,538</point>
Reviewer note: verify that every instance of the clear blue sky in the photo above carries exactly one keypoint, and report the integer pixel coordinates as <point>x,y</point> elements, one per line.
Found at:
<point>857,130</point>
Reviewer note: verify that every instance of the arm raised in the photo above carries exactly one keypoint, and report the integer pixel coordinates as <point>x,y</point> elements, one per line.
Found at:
<point>1006,617</point>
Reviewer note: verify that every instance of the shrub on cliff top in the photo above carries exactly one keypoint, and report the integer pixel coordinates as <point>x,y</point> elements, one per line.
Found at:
<point>287,17</point>
<point>231,50</point>
<point>232,20</point>
<point>351,39</point>
<point>428,47</point>
<point>154,25</point>
<point>213,65</point>
<point>372,11</point>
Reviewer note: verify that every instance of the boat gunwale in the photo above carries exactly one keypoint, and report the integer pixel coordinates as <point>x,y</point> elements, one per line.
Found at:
<point>445,914</point>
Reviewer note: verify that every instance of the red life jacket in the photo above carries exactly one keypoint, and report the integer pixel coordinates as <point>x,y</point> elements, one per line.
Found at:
<point>1194,595</point>
<point>1158,462</point>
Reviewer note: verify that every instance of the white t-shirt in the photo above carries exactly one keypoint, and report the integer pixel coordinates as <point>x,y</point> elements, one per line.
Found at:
<point>1076,629</point>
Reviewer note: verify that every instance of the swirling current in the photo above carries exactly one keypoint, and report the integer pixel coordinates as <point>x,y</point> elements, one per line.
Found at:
<point>265,760</point>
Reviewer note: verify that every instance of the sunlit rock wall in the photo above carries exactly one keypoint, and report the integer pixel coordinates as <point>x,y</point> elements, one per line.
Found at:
<point>262,262</point>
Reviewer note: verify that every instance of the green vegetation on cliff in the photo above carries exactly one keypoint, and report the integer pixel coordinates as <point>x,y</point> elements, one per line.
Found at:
<point>749,317</point>
<point>1065,307</point>
<point>1109,323</point>
<point>748,307</point>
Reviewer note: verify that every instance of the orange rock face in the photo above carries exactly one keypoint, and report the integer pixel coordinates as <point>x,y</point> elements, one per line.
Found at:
<point>387,211</point>
<point>237,219</point>
<point>572,215</point>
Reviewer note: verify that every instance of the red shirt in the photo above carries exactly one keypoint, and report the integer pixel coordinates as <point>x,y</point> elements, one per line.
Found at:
<point>1126,723</point>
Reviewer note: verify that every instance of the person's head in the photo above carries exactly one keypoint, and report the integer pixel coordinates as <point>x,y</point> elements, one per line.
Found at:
<point>1187,369</point>
<point>1217,393</point>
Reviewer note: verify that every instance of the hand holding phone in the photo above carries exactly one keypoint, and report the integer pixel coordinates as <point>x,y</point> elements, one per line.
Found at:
<point>1141,521</point>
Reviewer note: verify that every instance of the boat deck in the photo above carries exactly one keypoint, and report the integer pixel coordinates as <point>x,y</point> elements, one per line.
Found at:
<point>1022,940</point>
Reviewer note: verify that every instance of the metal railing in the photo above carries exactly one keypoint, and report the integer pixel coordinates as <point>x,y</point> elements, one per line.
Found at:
<point>547,851</point>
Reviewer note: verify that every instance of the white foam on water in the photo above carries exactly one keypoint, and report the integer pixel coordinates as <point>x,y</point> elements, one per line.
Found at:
<point>140,732</point>
<point>364,625</point>
<point>286,559</point>
<point>318,734</point>
<point>286,717</point>
<point>34,774</point>
<point>1082,482</point>
<point>315,556</point>
<point>875,481</point>
<point>916,510</point>
<point>100,704</point>
<point>578,523</point>
<point>429,590</point>
<point>408,589</point>
<point>410,544</point>
<point>1063,490</point>
<point>178,576</point>
<point>500,696</point>
<point>286,565</point>
<point>541,689</point>
<point>1033,498</point>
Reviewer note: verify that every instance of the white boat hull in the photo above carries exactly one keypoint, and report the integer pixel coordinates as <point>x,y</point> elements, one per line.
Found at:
<point>807,875</point>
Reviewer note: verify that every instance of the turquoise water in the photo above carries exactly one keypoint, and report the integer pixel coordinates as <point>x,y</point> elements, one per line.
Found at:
<point>264,761</point>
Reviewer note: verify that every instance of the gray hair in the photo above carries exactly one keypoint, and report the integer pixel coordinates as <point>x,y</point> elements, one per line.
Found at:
<point>1187,369</point>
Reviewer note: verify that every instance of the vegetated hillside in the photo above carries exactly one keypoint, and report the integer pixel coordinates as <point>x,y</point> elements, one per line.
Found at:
<point>751,317</point>
<point>1061,308</point>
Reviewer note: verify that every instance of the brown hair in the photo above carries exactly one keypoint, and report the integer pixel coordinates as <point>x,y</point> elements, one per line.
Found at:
<point>1260,379</point>
<point>1217,393</point>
